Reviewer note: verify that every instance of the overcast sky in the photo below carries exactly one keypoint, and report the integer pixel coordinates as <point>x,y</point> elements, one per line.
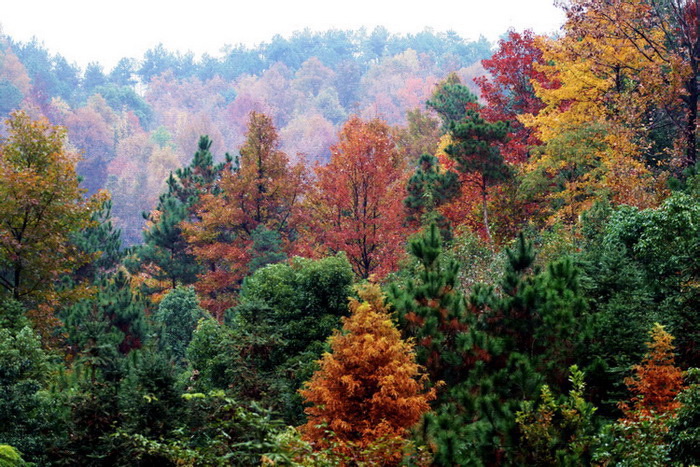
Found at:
<point>101,31</point>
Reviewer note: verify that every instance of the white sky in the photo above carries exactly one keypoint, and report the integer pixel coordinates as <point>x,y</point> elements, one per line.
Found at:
<point>101,31</point>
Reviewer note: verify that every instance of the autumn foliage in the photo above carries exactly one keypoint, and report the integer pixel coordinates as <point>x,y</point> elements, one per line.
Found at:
<point>356,205</point>
<point>657,381</point>
<point>263,193</point>
<point>369,388</point>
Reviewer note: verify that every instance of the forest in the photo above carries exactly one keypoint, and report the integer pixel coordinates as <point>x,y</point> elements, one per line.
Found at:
<point>357,248</point>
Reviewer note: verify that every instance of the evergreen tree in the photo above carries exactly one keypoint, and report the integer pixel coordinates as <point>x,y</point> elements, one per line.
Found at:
<point>175,321</point>
<point>103,242</point>
<point>429,188</point>
<point>521,338</point>
<point>433,312</point>
<point>165,255</point>
<point>102,329</point>
<point>450,100</point>
<point>476,149</point>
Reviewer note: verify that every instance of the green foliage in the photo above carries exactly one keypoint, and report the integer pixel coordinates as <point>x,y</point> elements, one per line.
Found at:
<point>10,457</point>
<point>305,297</point>
<point>108,325</point>
<point>518,340</point>
<point>266,248</point>
<point>431,311</point>
<point>175,321</point>
<point>102,241</point>
<point>429,188</point>
<point>634,444</point>
<point>558,432</point>
<point>27,416</point>
<point>219,431</point>
<point>684,429</point>
<point>450,101</point>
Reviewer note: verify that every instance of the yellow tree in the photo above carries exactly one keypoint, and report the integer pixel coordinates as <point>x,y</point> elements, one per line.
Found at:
<point>369,389</point>
<point>41,206</point>
<point>595,123</point>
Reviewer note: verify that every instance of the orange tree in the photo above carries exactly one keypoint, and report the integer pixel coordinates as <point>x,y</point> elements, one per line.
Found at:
<point>369,388</point>
<point>41,207</point>
<point>356,205</point>
<point>255,203</point>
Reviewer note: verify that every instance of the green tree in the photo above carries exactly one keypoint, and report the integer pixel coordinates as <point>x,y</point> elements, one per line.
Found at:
<point>450,100</point>
<point>429,188</point>
<point>26,414</point>
<point>476,149</point>
<point>433,312</point>
<point>175,321</point>
<point>165,255</point>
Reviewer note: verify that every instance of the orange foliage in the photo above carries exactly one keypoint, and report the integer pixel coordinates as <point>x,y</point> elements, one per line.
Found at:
<point>369,389</point>
<point>657,380</point>
<point>264,191</point>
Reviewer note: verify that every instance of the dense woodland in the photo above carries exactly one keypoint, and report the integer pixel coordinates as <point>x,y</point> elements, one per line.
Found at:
<point>355,249</point>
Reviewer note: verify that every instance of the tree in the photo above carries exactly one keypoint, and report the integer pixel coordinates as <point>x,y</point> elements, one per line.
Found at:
<point>430,187</point>
<point>41,207</point>
<point>664,37</point>
<point>176,320</point>
<point>263,191</point>
<point>450,100</point>
<point>433,312</point>
<point>368,388</point>
<point>657,381</point>
<point>508,90</point>
<point>475,148</point>
<point>558,432</point>
<point>355,205</point>
<point>165,255</point>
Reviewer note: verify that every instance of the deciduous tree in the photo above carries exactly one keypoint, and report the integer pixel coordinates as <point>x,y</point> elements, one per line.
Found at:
<point>41,207</point>
<point>356,204</point>
<point>368,388</point>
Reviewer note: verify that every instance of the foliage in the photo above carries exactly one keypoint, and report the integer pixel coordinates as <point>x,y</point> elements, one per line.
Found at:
<point>558,432</point>
<point>367,389</point>
<point>264,191</point>
<point>684,429</point>
<point>355,205</point>
<point>175,321</point>
<point>428,188</point>
<point>10,457</point>
<point>28,417</point>
<point>41,207</point>
<point>657,381</point>
<point>433,312</point>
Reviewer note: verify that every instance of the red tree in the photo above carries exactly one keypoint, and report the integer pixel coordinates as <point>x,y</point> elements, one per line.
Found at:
<point>356,205</point>
<point>508,90</point>
<point>262,195</point>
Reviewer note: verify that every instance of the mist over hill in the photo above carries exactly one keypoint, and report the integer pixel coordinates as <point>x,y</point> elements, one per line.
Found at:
<point>139,121</point>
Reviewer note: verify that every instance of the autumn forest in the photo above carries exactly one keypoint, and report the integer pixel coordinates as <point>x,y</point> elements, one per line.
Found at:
<point>357,248</point>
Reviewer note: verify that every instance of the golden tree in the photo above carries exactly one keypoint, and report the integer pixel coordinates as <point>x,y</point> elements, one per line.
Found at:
<point>369,389</point>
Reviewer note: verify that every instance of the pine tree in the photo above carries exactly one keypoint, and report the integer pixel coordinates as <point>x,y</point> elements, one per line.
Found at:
<point>450,100</point>
<point>368,389</point>
<point>165,255</point>
<point>428,189</point>
<point>433,312</point>
<point>476,150</point>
